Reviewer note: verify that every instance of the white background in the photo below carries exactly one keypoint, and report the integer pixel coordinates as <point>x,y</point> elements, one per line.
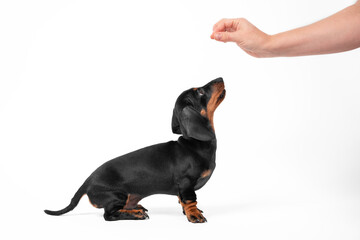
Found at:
<point>82,82</point>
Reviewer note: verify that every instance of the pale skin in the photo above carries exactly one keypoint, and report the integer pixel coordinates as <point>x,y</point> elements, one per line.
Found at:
<point>337,33</point>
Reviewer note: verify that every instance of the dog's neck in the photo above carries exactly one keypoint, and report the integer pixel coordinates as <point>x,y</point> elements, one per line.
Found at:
<point>205,149</point>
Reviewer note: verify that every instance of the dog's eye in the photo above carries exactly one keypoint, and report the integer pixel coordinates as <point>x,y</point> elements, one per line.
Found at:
<point>200,91</point>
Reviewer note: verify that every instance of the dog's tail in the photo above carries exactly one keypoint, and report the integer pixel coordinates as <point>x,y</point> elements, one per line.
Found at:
<point>74,201</point>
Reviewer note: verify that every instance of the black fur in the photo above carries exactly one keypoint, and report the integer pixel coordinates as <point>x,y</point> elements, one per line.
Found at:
<point>176,167</point>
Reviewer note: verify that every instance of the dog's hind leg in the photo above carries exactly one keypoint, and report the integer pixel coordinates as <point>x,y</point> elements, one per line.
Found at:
<point>120,206</point>
<point>132,202</point>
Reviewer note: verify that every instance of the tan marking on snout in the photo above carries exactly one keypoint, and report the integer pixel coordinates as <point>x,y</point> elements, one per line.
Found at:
<point>206,173</point>
<point>203,112</point>
<point>214,101</point>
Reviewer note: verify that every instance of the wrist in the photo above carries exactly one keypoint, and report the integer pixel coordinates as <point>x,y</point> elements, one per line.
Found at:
<point>271,46</point>
<point>289,44</point>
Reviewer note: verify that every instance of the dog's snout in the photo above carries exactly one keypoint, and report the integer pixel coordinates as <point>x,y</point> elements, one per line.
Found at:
<point>217,83</point>
<point>220,79</point>
<point>217,80</point>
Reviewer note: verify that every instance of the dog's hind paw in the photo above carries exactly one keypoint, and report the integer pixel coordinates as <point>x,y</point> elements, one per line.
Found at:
<point>127,214</point>
<point>140,207</point>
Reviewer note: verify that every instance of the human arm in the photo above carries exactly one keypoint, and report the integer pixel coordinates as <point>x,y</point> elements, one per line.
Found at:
<point>336,33</point>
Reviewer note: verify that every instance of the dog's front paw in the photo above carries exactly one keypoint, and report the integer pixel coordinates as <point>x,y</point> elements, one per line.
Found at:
<point>192,213</point>
<point>195,216</point>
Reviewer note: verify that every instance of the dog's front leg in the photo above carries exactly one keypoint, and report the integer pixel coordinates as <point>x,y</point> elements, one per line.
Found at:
<point>187,199</point>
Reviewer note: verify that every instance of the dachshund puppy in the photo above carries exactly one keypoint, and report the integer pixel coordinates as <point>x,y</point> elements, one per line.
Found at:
<point>177,167</point>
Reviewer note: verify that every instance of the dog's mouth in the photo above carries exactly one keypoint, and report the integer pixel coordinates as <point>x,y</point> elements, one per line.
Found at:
<point>221,96</point>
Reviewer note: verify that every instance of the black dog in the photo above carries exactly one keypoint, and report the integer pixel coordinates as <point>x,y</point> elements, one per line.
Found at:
<point>176,167</point>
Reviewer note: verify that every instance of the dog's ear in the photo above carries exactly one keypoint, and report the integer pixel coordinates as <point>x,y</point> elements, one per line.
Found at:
<point>193,125</point>
<point>175,126</point>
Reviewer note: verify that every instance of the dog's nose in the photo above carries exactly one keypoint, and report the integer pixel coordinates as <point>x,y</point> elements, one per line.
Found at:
<point>214,82</point>
<point>220,79</point>
<point>217,81</point>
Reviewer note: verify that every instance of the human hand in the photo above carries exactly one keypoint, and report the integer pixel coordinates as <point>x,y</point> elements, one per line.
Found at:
<point>248,37</point>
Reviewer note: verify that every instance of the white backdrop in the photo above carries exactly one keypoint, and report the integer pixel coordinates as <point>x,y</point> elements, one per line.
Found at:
<point>82,82</point>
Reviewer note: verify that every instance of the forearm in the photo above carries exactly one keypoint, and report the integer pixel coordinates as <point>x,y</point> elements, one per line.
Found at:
<point>337,33</point>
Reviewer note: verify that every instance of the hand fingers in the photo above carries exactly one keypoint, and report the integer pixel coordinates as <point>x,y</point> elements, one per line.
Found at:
<point>225,25</point>
<point>223,36</point>
<point>223,30</point>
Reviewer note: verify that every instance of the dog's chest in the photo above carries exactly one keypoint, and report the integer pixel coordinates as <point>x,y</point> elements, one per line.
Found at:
<point>204,177</point>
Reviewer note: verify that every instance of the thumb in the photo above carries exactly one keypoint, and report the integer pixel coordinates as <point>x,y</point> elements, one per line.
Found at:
<point>224,36</point>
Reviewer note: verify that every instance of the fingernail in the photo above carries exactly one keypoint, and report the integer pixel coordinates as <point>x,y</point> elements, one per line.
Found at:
<point>217,36</point>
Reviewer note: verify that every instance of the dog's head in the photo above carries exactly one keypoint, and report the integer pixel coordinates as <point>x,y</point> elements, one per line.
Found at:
<point>194,111</point>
